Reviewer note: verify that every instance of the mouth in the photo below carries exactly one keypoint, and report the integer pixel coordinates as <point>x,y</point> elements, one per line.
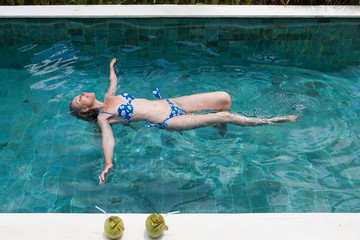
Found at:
<point>86,94</point>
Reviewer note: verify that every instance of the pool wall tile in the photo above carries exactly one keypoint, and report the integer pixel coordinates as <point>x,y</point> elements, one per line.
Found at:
<point>183,32</point>
<point>170,36</point>
<point>333,43</point>
<point>225,201</point>
<point>235,48</point>
<point>131,36</point>
<point>169,198</point>
<point>190,201</point>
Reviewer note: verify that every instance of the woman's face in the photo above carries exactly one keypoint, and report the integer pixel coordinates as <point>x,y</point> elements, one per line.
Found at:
<point>84,101</point>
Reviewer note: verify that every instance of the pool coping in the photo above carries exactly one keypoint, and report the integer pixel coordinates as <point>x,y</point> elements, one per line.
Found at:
<point>186,226</point>
<point>180,11</point>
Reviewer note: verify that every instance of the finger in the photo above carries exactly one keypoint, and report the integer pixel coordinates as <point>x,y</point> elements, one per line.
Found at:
<point>102,177</point>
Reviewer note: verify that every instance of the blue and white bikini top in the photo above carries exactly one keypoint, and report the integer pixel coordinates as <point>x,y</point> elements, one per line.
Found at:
<point>125,110</point>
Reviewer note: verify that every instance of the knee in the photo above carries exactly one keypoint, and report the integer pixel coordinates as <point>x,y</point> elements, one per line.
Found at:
<point>225,117</point>
<point>225,100</point>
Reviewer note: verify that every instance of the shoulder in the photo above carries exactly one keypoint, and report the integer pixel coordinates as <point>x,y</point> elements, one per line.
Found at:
<point>103,119</point>
<point>110,98</point>
<point>107,97</point>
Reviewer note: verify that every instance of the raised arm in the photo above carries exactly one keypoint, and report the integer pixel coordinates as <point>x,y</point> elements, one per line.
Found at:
<point>113,81</point>
<point>108,143</point>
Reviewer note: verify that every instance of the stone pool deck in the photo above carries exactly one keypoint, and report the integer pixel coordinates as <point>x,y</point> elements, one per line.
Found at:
<point>185,226</point>
<point>196,11</point>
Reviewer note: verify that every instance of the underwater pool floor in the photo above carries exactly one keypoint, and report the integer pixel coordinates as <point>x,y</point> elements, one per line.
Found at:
<point>185,226</point>
<point>51,163</point>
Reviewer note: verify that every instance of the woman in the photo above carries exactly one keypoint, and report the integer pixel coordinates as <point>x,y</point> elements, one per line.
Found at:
<point>172,114</point>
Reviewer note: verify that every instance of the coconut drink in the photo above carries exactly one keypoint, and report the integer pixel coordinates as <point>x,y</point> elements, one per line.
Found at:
<point>155,225</point>
<point>114,227</point>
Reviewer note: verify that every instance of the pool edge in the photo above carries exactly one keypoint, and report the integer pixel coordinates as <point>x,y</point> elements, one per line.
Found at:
<point>188,226</point>
<point>185,226</point>
<point>180,11</point>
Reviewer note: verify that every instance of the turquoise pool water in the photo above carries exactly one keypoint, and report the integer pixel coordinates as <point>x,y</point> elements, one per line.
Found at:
<point>50,162</point>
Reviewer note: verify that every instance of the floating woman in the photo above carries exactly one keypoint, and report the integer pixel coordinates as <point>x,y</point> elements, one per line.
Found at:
<point>176,114</point>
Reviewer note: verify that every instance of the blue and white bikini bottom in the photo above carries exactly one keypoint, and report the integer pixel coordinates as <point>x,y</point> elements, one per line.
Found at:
<point>175,111</point>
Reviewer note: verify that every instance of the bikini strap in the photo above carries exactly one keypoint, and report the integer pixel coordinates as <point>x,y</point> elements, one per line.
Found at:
<point>172,114</point>
<point>97,111</point>
<point>128,96</point>
<point>156,92</point>
<point>175,111</point>
<point>159,125</point>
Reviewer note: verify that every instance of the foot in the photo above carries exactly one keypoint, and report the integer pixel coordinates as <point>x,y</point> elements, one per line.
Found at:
<point>293,118</point>
<point>289,118</point>
<point>221,128</point>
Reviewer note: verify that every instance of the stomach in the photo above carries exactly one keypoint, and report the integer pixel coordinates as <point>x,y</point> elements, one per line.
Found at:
<point>151,111</point>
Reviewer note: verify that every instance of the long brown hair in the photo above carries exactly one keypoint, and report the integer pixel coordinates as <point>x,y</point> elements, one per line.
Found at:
<point>89,116</point>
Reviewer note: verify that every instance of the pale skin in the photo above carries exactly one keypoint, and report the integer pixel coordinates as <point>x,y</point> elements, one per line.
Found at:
<point>157,110</point>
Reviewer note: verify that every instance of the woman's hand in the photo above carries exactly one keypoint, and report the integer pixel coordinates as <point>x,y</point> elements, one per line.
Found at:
<point>112,62</point>
<point>113,82</point>
<point>108,143</point>
<point>104,173</point>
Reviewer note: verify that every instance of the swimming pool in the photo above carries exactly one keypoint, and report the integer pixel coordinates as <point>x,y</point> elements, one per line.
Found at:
<point>50,162</point>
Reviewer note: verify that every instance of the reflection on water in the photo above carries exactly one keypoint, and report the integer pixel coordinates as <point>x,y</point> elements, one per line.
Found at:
<point>50,162</point>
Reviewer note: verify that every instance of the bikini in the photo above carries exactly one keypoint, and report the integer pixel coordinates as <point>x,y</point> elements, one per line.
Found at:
<point>126,110</point>
<point>175,111</point>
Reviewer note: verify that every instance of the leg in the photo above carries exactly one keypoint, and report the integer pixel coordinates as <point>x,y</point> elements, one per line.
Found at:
<point>193,121</point>
<point>216,101</point>
<point>289,118</point>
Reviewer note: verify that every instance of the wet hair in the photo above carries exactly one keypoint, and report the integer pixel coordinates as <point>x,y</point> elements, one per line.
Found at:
<point>89,116</point>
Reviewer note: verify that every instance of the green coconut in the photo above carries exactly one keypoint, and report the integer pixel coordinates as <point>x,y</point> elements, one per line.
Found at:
<point>114,227</point>
<point>155,225</point>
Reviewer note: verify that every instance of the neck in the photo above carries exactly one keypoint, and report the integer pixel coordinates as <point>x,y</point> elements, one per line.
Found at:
<point>97,105</point>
